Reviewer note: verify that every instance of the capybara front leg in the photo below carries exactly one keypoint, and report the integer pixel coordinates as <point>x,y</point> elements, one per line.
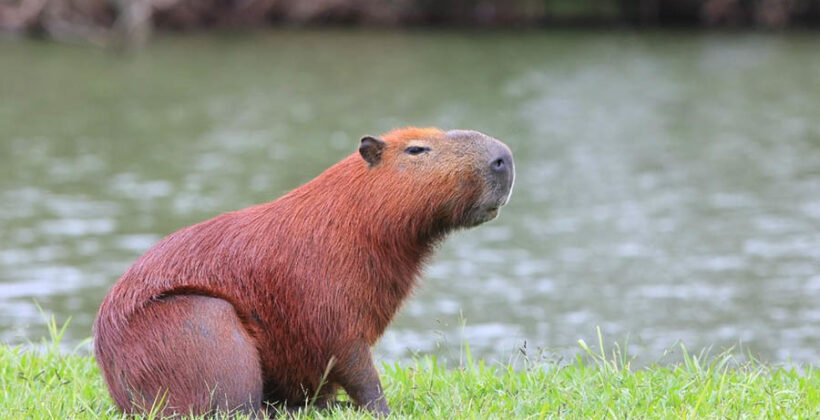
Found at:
<point>355,372</point>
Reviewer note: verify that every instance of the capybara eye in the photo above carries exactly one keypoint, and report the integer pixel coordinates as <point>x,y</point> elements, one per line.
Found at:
<point>416,150</point>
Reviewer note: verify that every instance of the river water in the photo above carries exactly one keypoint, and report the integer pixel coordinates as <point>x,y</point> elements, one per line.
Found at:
<point>668,185</point>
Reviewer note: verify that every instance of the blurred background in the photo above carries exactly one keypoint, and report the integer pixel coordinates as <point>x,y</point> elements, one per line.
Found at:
<point>668,156</point>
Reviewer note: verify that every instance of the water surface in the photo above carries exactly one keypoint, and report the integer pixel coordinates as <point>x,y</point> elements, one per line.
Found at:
<point>668,184</point>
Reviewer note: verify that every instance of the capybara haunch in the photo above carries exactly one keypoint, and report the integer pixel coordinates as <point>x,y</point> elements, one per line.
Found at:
<point>281,302</point>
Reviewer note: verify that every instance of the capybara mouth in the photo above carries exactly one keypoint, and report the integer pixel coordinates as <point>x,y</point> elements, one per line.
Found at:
<point>488,210</point>
<point>481,215</point>
<point>493,212</point>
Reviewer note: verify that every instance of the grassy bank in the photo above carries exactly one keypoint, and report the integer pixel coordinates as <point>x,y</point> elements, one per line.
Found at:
<point>49,384</point>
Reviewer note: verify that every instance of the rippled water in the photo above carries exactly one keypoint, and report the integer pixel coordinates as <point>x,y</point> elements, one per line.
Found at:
<point>668,183</point>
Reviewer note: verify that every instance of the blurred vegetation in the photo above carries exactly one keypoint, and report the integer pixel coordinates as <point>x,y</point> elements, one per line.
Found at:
<point>134,20</point>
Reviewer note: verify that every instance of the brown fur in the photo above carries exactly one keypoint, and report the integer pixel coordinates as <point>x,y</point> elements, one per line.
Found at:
<point>251,307</point>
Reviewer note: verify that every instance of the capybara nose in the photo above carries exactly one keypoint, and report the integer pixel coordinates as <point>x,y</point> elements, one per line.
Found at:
<point>502,164</point>
<point>499,165</point>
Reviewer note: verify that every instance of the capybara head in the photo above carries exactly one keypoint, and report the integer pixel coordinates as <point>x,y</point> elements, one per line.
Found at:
<point>460,178</point>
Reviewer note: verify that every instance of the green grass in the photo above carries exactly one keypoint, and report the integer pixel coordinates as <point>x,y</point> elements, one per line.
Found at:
<point>51,384</point>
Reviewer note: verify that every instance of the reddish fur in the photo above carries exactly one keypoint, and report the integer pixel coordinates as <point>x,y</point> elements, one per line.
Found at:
<point>309,276</point>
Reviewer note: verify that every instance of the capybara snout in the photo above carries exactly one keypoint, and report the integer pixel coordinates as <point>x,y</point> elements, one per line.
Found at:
<point>502,173</point>
<point>493,161</point>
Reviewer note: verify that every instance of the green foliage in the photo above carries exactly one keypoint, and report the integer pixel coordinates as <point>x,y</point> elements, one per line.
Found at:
<point>45,383</point>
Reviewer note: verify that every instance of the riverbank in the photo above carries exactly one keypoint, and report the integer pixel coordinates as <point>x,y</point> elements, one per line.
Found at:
<point>132,21</point>
<point>50,384</point>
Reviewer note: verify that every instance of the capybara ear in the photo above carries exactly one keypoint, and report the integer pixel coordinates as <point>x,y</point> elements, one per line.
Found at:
<point>371,150</point>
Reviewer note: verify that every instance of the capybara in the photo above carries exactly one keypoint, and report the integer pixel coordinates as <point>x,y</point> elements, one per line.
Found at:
<point>279,304</point>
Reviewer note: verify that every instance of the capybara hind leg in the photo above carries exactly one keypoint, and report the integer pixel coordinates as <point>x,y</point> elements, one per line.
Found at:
<point>185,354</point>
